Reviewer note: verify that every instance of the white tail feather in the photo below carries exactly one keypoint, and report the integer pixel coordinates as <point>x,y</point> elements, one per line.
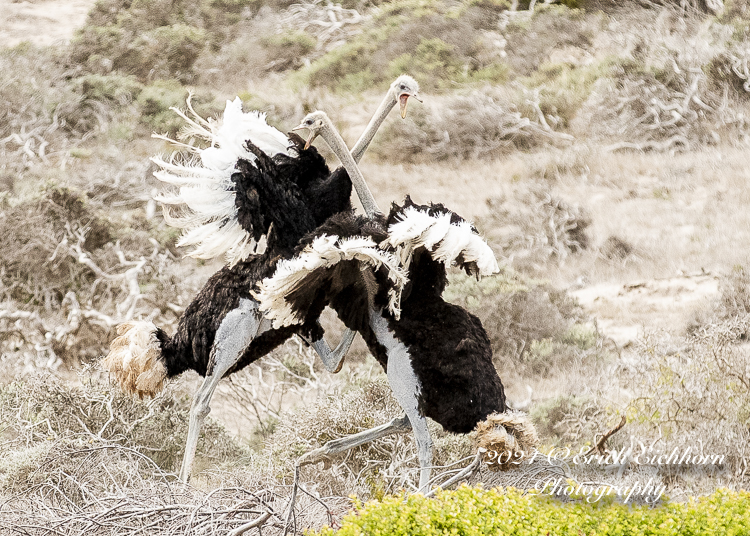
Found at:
<point>325,251</point>
<point>205,186</point>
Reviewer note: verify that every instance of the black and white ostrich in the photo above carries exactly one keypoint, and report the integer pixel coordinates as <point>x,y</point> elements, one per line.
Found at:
<point>437,356</point>
<point>237,195</point>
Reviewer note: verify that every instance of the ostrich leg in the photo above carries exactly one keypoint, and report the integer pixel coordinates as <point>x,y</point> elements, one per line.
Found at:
<point>235,333</point>
<point>398,425</point>
<point>333,360</point>
<point>406,387</point>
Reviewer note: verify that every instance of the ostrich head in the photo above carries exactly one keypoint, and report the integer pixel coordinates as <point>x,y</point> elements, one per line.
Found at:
<point>316,123</point>
<point>402,88</point>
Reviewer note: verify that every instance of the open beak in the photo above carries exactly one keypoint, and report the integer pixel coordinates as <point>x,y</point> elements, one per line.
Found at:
<point>310,138</point>
<point>403,100</point>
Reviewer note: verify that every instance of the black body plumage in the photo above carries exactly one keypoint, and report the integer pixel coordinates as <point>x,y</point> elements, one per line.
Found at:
<point>450,351</point>
<point>281,197</point>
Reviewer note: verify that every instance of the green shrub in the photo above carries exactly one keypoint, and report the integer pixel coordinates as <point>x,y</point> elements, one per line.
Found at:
<point>121,89</point>
<point>156,99</point>
<point>153,39</point>
<point>477,512</point>
<point>427,39</point>
<point>433,60</point>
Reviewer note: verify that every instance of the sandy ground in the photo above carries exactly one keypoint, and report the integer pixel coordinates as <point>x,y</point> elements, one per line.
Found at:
<point>44,22</point>
<point>625,311</point>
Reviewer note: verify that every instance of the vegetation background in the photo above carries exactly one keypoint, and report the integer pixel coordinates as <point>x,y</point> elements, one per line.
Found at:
<point>600,146</point>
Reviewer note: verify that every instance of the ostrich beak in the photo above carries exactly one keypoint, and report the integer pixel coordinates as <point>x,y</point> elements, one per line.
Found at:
<point>403,100</point>
<point>310,138</point>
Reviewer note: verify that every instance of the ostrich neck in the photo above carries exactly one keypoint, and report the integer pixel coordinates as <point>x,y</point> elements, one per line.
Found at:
<point>364,140</point>
<point>337,145</point>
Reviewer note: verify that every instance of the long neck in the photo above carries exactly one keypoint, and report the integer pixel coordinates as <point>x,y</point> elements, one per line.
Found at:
<point>337,145</point>
<point>382,112</point>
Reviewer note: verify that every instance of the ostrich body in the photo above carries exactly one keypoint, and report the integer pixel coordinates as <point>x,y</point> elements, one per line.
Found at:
<point>437,356</point>
<point>238,197</point>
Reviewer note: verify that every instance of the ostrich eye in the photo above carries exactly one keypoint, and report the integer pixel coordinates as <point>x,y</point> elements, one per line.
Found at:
<point>403,87</point>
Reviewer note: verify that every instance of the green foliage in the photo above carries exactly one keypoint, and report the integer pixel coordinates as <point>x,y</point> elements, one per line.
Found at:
<point>153,39</point>
<point>477,512</point>
<point>427,39</point>
<point>345,66</point>
<point>433,59</point>
<point>155,101</point>
<point>120,89</point>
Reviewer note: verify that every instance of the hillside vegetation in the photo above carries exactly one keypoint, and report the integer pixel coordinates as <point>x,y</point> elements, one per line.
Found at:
<point>593,143</point>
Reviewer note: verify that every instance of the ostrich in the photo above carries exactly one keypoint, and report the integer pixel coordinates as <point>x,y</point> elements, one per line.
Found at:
<point>238,196</point>
<point>437,356</point>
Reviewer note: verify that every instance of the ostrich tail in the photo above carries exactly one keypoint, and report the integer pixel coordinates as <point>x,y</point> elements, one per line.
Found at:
<point>135,359</point>
<point>506,438</point>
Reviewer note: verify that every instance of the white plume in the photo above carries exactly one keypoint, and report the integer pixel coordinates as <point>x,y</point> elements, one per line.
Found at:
<point>324,252</point>
<point>445,241</point>
<point>206,193</point>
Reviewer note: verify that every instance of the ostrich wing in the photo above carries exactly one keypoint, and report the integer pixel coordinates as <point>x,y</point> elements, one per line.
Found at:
<point>206,203</point>
<point>444,235</point>
<point>340,261</point>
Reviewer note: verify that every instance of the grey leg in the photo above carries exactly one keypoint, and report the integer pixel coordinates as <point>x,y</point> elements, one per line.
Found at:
<point>333,360</point>
<point>406,388</point>
<point>396,426</point>
<point>235,333</point>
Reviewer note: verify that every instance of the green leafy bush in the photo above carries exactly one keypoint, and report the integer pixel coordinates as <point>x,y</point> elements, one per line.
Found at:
<point>477,512</point>
<point>153,39</point>
<point>155,101</point>
<point>427,39</point>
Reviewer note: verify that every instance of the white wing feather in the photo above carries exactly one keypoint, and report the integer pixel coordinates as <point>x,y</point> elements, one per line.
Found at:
<point>324,251</point>
<point>445,241</point>
<point>206,192</point>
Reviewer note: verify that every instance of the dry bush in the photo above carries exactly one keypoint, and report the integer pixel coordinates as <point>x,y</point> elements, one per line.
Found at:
<point>44,410</point>
<point>696,396</point>
<point>68,278</point>
<point>535,329</point>
<point>379,467</point>
<point>41,112</point>
<point>677,89</point>
<point>569,420</point>
<point>481,124</point>
<point>92,486</point>
<point>733,301</point>
<point>535,228</point>
<point>530,41</point>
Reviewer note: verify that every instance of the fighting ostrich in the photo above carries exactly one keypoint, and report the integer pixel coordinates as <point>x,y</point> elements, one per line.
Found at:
<point>437,356</point>
<point>238,196</point>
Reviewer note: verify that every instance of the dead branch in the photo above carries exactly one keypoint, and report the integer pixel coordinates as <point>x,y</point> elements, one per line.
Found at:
<point>601,444</point>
